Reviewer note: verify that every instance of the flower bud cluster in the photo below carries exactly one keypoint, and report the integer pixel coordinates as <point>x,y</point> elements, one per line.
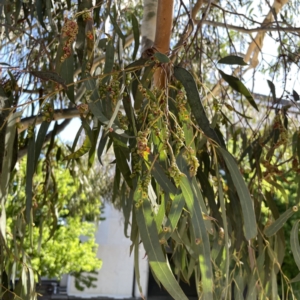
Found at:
<point>123,121</point>
<point>181,103</point>
<point>87,96</point>
<point>69,33</point>
<point>136,164</point>
<point>192,161</point>
<point>175,173</point>
<point>142,143</point>
<point>145,181</point>
<point>178,138</point>
<point>30,131</point>
<point>82,108</point>
<point>114,89</point>
<point>86,16</point>
<point>47,112</point>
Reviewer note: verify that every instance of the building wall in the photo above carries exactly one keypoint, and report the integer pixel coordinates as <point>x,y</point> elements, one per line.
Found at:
<point>116,277</point>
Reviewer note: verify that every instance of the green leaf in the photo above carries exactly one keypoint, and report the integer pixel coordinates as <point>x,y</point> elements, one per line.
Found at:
<point>49,75</point>
<point>157,258</point>
<point>102,43</point>
<point>272,88</point>
<point>174,214</point>
<point>195,103</point>
<point>109,60</point>
<point>232,60</point>
<point>243,193</point>
<point>67,74</point>
<point>162,57</point>
<point>39,9</point>
<point>201,243</point>
<point>85,148</point>
<point>30,167</point>
<point>40,141</point>
<point>136,35</point>
<point>159,174</point>
<point>122,164</point>
<point>101,146</point>
<point>296,278</point>
<point>117,28</point>
<point>238,86</point>
<point>275,226</point>
<point>295,247</point>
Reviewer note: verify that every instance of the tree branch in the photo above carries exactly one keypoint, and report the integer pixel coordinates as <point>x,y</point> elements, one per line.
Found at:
<point>59,114</point>
<point>251,30</point>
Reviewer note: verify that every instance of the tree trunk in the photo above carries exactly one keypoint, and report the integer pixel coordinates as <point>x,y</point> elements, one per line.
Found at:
<point>162,38</point>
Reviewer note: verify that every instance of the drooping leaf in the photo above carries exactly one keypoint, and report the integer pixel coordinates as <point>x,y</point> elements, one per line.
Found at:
<point>136,35</point>
<point>158,173</point>
<point>67,74</point>
<point>238,86</point>
<point>295,247</point>
<point>109,59</point>
<point>201,243</point>
<point>157,259</point>
<point>85,148</point>
<point>243,193</point>
<point>272,88</point>
<point>197,109</point>
<point>101,146</point>
<point>232,60</point>
<point>278,223</point>
<point>117,28</point>
<point>30,167</point>
<point>122,164</point>
<point>40,140</point>
<point>174,214</point>
<point>40,12</point>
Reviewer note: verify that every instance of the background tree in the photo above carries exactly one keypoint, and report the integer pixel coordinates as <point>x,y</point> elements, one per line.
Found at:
<point>199,162</point>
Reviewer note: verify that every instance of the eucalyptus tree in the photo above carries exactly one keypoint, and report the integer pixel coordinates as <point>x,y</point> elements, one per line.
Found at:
<point>202,165</point>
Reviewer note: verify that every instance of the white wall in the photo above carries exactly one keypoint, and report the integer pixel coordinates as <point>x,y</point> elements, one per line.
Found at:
<point>115,279</point>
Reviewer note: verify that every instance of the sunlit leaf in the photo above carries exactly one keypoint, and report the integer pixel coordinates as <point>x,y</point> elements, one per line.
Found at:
<point>157,259</point>
<point>85,147</point>
<point>244,195</point>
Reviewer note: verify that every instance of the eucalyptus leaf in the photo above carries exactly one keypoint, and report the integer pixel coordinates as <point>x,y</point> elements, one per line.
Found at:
<point>238,86</point>
<point>232,60</point>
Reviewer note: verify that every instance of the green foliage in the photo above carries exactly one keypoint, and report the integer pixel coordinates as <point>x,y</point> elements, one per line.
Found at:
<point>202,169</point>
